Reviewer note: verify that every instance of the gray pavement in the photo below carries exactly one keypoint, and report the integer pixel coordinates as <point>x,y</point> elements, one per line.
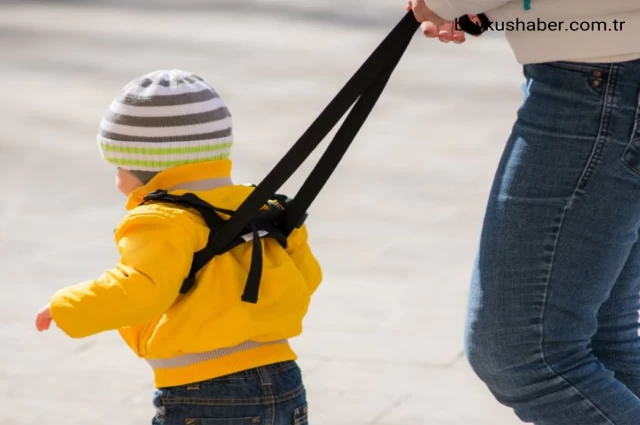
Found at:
<point>395,228</point>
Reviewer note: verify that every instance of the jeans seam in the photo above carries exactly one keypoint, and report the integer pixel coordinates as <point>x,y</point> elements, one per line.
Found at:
<point>266,399</point>
<point>630,144</point>
<point>567,207</point>
<point>598,147</point>
<point>270,402</point>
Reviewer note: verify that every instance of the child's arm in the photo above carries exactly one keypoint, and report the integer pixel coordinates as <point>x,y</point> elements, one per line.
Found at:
<point>156,254</point>
<point>300,252</point>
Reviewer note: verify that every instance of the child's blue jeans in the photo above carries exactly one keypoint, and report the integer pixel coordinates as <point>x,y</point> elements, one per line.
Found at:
<point>553,314</point>
<point>269,395</point>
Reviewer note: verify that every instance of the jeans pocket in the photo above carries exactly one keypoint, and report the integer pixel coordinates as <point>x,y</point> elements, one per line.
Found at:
<point>249,420</point>
<point>301,415</point>
<point>588,78</point>
<point>561,122</point>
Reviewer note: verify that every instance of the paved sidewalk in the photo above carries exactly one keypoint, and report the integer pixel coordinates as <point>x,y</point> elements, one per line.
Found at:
<point>395,228</point>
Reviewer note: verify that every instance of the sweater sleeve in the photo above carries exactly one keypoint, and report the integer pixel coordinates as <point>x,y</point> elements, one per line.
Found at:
<point>156,253</point>
<point>452,9</point>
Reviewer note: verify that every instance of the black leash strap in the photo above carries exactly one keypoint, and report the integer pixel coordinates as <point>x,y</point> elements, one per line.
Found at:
<point>365,86</point>
<point>295,213</point>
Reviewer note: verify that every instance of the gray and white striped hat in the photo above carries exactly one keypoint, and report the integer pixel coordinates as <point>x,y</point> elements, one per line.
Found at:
<point>165,119</point>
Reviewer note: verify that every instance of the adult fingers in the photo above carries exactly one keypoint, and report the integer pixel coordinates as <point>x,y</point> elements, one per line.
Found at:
<point>423,14</point>
<point>429,29</point>
<point>445,33</point>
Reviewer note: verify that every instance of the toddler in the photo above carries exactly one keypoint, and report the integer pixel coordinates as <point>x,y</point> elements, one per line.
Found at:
<point>216,358</point>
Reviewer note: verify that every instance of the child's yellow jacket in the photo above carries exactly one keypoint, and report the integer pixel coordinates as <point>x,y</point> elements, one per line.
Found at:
<point>210,331</point>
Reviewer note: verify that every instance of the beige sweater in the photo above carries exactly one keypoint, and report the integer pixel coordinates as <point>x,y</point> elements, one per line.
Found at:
<point>617,38</point>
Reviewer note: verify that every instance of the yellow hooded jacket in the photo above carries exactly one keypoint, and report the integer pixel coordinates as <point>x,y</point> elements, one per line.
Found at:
<point>210,331</point>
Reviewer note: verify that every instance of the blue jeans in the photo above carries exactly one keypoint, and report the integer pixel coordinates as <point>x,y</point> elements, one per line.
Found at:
<point>268,395</point>
<point>552,326</point>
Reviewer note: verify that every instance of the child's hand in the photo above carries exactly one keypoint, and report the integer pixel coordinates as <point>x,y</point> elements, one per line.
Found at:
<point>43,319</point>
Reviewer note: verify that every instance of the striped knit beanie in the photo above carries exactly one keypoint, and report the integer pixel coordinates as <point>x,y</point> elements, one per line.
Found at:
<point>165,119</point>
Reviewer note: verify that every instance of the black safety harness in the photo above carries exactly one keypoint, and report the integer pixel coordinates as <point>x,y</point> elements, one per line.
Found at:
<point>265,214</point>
<point>267,223</point>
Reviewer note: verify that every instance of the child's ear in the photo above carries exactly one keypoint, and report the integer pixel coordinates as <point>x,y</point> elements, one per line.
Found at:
<point>127,182</point>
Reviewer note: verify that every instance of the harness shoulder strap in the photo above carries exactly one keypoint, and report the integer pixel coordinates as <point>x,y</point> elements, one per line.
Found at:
<point>266,221</point>
<point>210,216</point>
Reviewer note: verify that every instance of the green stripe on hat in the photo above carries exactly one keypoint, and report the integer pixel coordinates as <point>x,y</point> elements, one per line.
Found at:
<point>162,164</point>
<point>154,150</point>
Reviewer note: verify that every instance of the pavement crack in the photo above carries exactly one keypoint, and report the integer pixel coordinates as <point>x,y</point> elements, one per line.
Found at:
<point>402,399</point>
<point>84,347</point>
<point>453,362</point>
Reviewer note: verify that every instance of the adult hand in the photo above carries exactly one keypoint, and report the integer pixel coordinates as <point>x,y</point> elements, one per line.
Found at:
<point>432,25</point>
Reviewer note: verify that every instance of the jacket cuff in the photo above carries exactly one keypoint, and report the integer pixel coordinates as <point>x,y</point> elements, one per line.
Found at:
<point>59,308</point>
